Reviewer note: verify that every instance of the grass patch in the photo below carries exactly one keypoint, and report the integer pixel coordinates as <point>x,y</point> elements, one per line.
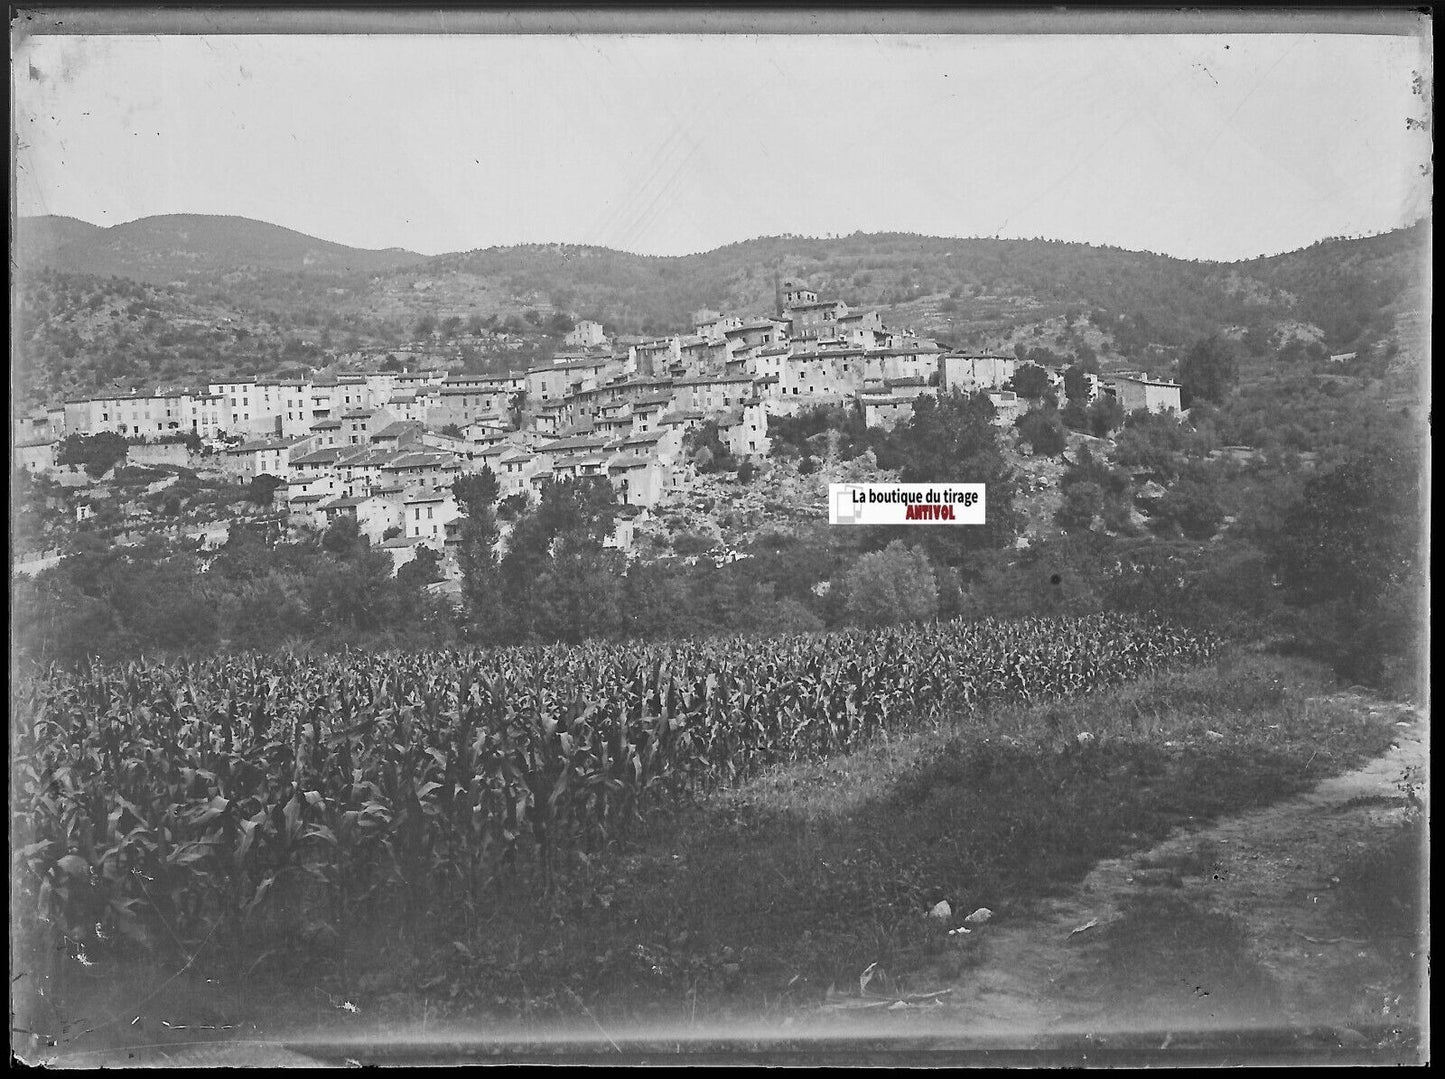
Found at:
<point>757,900</point>
<point>1166,959</point>
<point>1382,892</point>
<point>761,898</point>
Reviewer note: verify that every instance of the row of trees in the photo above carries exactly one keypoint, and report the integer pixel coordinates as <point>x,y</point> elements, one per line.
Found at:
<point>257,591</point>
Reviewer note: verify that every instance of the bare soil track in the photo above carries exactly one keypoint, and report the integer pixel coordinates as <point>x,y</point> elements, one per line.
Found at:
<point>1239,933</point>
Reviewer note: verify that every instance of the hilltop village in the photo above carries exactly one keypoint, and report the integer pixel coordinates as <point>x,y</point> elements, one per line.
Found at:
<point>383,443</point>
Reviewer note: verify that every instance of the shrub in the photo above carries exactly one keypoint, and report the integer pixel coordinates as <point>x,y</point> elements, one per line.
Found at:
<point>895,584</point>
<point>689,543</point>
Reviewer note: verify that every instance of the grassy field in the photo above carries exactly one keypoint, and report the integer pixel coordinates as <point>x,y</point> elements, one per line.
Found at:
<point>768,898</point>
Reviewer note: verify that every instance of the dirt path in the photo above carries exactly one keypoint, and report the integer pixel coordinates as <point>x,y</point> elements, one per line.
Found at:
<point>1235,927</point>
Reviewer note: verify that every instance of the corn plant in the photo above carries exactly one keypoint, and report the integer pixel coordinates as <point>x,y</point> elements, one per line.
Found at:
<point>159,803</point>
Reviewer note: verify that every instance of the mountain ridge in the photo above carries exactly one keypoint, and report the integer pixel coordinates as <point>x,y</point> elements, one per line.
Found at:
<point>33,221</point>
<point>160,248</point>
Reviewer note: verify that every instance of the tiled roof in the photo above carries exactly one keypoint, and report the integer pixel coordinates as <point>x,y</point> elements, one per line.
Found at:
<point>642,438</point>
<point>420,460</point>
<point>709,380</point>
<point>368,458</point>
<point>580,442</point>
<point>627,460</point>
<point>396,430</point>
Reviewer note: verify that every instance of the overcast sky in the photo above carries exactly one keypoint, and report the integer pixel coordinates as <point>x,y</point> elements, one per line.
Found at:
<point>1206,146</point>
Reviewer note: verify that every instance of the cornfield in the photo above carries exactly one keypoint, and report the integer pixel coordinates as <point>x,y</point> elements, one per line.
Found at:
<point>159,802</point>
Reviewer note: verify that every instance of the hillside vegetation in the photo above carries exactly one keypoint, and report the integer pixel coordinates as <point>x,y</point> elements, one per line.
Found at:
<point>77,333</point>
<point>1130,308</point>
<point>181,246</point>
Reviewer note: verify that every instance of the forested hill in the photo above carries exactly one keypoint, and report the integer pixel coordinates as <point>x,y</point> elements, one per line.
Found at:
<point>180,246</point>
<point>1352,289</point>
<point>283,292</point>
<point>967,287</point>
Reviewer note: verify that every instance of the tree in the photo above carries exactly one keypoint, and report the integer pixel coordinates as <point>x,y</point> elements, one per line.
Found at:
<point>475,491</point>
<point>1192,507</point>
<point>354,593</point>
<point>1043,430</point>
<point>513,506</point>
<point>1082,503</point>
<point>343,538</point>
<point>97,453</point>
<point>262,489</point>
<point>1031,381</point>
<point>580,593</point>
<point>952,439</point>
<point>422,570</point>
<point>476,495</point>
<point>1075,416</point>
<point>1208,370</point>
<point>1159,442</point>
<point>452,430</point>
<point>1349,555</point>
<point>584,508</point>
<point>556,582</point>
<point>391,363</point>
<point>1354,534</point>
<point>896,584</point>
<point>1076,385</point>
<point>477,560</point>
<point>1104,415</point>
<point>426,326</point>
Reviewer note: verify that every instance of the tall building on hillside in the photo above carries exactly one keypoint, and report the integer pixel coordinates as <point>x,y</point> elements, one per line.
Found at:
<point>586,334</point>
<point>795,293</point>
